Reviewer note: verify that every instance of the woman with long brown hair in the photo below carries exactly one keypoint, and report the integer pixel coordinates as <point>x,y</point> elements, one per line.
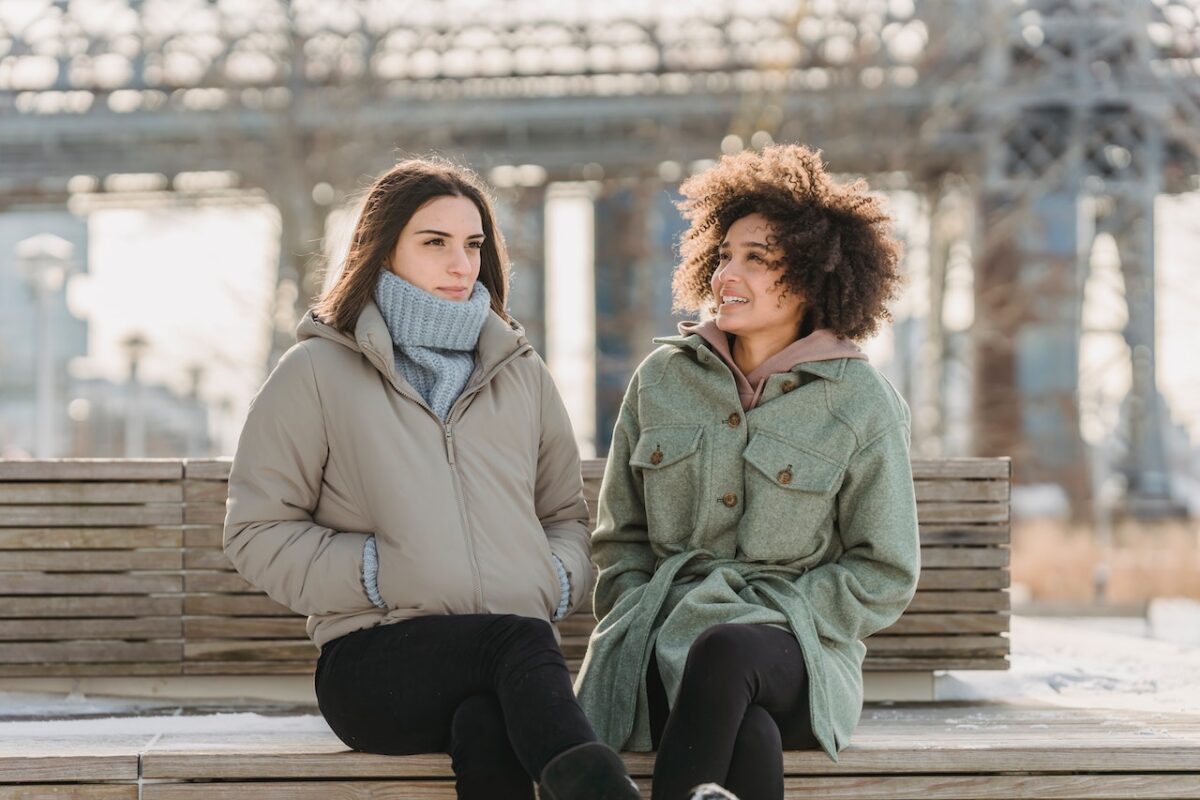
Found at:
<point>407,477</point>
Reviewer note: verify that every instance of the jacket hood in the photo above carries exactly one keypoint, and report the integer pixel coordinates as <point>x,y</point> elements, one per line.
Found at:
<point>498,340</point>
<point>822,345</point>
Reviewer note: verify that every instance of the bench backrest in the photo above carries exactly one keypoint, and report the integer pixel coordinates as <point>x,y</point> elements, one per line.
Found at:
<point>115,568</point>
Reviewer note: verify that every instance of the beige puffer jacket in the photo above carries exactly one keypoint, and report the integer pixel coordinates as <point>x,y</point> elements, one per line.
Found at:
<point>466,514</point>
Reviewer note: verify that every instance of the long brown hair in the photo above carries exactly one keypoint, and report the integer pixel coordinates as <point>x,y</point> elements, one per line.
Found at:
<point>389,205</point>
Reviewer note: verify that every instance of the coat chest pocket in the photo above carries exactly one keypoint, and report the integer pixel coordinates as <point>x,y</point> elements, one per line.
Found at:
<point>791,494</point>
<point>668,457</point>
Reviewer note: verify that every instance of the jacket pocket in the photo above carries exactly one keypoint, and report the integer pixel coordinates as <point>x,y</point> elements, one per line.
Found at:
<point>791,494</point>
<point>668,457</point>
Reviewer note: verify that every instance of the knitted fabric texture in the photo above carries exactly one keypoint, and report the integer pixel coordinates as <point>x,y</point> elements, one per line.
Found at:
<point>434,339</point>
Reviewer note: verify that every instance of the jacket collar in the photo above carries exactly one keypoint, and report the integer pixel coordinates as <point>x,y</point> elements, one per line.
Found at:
<point>831,370</point>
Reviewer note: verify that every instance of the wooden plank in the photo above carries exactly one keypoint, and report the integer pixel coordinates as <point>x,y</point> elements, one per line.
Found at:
<point>87,583</point>
<point>936,646</point>
<point>70,791</point>
<point>87,651</point>
<point>251,650</point>
<point>206,558</point>
<point>973,579</point>
<point>37,768</point>
<point>924,663</point>
<point>92,606</point>
<point>208,536</point>
<point>50,629</point>
<point>964,557</point>
<point>98,515</point>
<point>961,491</point>
<point>293,790</point>
<point>92,469</point>
<point>202,492</point>
<point>962,468</point>
<point>250,667</point>
<point>291,627</point>
<point>234,605</point>
<point>911,624</point>
<point>88,538</point>
<point>86,669</point>
<point>206,514</point>
<point>933,534</point>
<point>95,492</point>
<point>962,512</point>
<point>91,560</point>
<point>207,469</point>
<point>228,582</point>
<point>927,602</point>
<point>994,787</point>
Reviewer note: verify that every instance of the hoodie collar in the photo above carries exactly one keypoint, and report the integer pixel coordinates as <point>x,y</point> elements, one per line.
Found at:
<point>821,353</point>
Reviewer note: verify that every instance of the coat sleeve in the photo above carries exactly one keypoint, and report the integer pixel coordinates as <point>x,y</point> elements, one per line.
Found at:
<point>274,486</point>
<point>620,544</point>
<point>558,493</point>
<point>870,585</point>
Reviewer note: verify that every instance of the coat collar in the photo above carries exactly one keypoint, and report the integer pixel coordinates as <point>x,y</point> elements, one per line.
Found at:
<point>831,370</point>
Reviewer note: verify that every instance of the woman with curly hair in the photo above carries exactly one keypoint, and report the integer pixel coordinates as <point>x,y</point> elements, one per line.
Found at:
<point>757,518</point>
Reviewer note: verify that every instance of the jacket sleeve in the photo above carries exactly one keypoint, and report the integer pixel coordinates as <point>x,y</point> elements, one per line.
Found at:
<point>870,585</point>
<point>620,544</point>
<point>558,492</point>
<point>274,486</point>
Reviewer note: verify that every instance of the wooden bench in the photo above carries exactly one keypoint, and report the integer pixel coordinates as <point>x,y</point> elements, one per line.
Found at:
<point>115,568</point>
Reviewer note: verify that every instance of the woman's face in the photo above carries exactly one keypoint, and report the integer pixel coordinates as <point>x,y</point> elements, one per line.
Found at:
<point>438,250</point>
<point>749,300</point>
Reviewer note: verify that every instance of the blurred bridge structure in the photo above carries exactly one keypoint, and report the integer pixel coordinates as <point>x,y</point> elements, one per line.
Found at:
<point>1026,127</point>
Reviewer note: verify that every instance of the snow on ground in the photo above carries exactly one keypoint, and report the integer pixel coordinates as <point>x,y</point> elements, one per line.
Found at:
<point>1078,662</point>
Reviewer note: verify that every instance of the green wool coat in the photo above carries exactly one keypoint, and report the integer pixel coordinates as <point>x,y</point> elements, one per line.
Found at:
<point>799,514</point>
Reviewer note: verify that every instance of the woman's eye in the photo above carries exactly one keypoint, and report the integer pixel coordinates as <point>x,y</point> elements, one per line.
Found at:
<point>476,245</point>
<point>722,256</point>
<point>438,242</point>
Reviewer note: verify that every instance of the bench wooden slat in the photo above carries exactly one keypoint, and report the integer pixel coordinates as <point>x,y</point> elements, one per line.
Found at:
<point>961,491</point>
<point>87,538</point>
<point>295,667</point>
<point>104,628</point>
<point>962,512</point>
<point>206,536</point>
<point>945,579</point>
<point>104,516</point>
<point>967,601</point>
<point>233,605</point>
<point>69,791</point>
<point>88,583</point>
<point>207,469</point>
<point>964,557</point>
<point>204,514</point>
<point>245,627</point>
<point>213,581</point>
<point>88,651</point>
<point>91,560</point>
<point>58,668</point>
<point>249,650</point>
<point>997,469</point>
<point>48,607</point>
<point>933,534</point>
<point>109,767</point>
<point>205,492</point>
<point>89,469</point>
<point>96,492</point>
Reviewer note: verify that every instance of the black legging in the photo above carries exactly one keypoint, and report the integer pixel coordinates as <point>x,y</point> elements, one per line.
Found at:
<point>742,700</point>
<point>491,690</point>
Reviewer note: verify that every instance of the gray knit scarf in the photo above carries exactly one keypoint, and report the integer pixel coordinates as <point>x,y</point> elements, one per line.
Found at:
<point>434,339</point>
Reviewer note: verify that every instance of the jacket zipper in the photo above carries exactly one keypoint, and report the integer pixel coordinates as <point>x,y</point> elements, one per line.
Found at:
<point>448,433</point>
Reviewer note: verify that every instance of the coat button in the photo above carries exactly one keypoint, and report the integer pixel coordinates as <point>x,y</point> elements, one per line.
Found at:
<point>734,420</point>
<point>785,475</point>
<point>788,386</point>
<point>730,500</point>
<point>656,457</point>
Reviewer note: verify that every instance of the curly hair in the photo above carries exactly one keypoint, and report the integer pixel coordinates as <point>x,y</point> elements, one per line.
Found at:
<point>836,249</point>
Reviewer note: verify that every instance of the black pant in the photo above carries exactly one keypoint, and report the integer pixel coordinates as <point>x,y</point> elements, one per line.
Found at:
<point>491,690</point>
<point>742,700</point>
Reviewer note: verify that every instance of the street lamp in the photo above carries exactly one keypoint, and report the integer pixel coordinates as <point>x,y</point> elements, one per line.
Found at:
<point>43,261</point>
<point>135,345</point>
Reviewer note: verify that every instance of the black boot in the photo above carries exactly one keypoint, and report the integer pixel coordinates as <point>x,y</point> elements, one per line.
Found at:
<point>589,771</point>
